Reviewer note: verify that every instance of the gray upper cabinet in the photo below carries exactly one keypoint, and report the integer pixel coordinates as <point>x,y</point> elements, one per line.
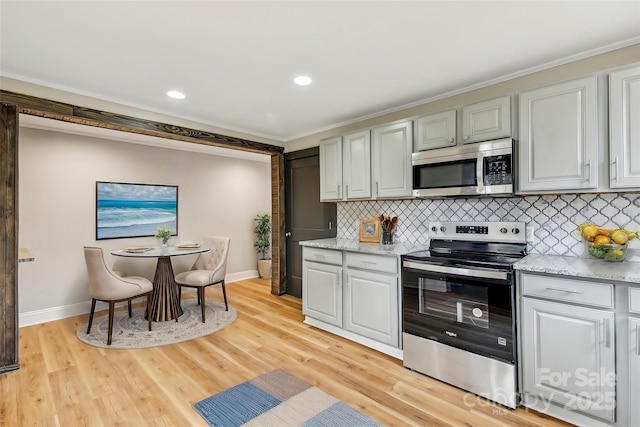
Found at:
<point>331,169</point>
<point>436,130</point>
<point>391,160</point>
<point>356,165</point>
<point>624,128</point>
<point>486,120</point>
<point>558,143</point>
<point>345,167</point>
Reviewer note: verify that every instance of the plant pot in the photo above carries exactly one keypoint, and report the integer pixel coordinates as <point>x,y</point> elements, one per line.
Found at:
<point>264,268</point>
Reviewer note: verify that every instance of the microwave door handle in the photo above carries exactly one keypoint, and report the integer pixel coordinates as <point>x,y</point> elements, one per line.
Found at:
<point>480,173</point>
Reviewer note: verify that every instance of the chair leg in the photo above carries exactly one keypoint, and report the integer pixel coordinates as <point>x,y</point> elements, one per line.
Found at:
<point>111,304</point>
<point>202,301</point>
<point>129,309</point>
<point>93,308</point>
<point>199,295</point>
<point>149,309</point>
<point>224,294</point>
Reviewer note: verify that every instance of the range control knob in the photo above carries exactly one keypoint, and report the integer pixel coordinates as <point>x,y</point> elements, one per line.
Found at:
<point>515,230</point>
<point>504,230</point>
<point>443,228</point>
<point>434,228</point>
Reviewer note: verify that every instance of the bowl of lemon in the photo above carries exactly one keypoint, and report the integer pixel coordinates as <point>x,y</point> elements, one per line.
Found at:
<point>607,244</point>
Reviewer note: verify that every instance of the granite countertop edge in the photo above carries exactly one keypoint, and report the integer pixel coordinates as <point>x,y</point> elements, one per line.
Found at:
<point>397,249</point>
<point>586,268</point>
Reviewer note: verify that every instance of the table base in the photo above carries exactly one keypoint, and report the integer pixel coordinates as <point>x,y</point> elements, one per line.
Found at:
<point>165,299</point>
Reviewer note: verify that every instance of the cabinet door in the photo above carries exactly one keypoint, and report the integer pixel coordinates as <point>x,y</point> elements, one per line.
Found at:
<point>331,169</point>
<point>436,131</point>
<point>634,372</point>
<point>371,305</point>
<point>356,165</point>
<point>569,357</point>
<point>559,137</point>
<point>322,292</point>
<point>624,128</point>
<point>391,160</point>
<point>486,120</point>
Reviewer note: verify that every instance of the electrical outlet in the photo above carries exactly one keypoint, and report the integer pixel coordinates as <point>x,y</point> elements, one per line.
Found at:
<point>531,237</point>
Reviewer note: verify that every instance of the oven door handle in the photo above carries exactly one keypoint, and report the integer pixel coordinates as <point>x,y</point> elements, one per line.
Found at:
<point>471,272</point>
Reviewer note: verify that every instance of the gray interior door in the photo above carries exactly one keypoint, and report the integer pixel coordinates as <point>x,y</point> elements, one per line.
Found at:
<point>306,217</point>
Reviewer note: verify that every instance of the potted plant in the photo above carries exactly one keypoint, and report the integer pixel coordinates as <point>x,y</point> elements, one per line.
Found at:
<point>262,244</point>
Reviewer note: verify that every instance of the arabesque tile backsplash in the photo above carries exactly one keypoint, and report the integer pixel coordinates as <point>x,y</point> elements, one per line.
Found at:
<point>553,217</point>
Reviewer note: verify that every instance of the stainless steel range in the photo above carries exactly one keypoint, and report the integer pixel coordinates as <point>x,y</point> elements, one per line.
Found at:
<point>459,307</point>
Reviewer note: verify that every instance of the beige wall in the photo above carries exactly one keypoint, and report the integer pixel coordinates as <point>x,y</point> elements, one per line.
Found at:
<point>594,64</point>
<point>57,174</point>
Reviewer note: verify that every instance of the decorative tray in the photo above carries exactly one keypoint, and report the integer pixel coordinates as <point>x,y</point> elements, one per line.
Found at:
<point>136,250</point>
<point>188,246</point>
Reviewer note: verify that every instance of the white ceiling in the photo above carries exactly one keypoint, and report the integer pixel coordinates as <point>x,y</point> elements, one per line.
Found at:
<point>235,61</point>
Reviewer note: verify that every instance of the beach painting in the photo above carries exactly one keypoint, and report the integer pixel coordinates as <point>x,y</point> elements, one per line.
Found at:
<point>134,210</point>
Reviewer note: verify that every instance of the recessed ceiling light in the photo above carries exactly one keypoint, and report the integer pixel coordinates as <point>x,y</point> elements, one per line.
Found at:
<point>302,80</point>
<point>175,94</point>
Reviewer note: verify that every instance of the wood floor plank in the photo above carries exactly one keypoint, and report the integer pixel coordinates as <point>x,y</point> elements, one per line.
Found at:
<point>64,382</point>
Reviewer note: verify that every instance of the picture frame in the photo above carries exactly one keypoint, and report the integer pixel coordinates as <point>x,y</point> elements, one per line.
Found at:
<point>370,230</point>
<point>126,210</point>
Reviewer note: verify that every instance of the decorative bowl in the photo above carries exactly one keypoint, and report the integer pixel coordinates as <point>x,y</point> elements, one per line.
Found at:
<point>606,252</point>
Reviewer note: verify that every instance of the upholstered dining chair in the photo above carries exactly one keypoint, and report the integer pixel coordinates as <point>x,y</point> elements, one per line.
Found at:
<point>209,269</point>
<point>107,285</point>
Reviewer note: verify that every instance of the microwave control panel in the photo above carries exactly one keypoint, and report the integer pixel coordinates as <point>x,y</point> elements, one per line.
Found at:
<point>497,170</point>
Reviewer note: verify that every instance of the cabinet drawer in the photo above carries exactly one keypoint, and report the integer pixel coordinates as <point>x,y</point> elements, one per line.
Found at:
<point>578,291</point>
<point>634,300</point>
<point>385,264</point>
<point>326,256</point>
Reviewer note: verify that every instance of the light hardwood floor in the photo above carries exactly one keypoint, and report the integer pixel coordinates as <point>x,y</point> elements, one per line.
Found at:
<point>63,382</point>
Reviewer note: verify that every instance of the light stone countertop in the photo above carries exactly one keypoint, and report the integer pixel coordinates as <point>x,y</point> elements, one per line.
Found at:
<point>396,249</point>
<point>588,268</point>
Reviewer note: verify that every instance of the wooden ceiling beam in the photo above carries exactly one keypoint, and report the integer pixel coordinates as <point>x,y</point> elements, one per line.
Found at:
<point>35,106</point>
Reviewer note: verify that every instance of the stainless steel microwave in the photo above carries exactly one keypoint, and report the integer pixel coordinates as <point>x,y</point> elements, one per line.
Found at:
<point>483,168</point>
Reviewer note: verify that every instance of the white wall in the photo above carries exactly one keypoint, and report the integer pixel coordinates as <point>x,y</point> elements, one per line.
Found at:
<point>57,175</point>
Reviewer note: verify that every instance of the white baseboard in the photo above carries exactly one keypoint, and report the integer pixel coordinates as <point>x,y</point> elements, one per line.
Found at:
<point>56,313</point>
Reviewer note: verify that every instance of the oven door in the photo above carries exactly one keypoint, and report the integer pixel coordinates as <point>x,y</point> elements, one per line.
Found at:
<point>469,308</point>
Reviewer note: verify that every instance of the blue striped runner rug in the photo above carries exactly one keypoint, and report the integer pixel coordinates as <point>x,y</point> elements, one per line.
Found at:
<point>278,398</point>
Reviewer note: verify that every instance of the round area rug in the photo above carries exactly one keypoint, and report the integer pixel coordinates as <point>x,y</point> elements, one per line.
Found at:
<point>134,332</point>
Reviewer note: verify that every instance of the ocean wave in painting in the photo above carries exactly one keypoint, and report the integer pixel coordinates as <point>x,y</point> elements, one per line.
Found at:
<point>128,218</point>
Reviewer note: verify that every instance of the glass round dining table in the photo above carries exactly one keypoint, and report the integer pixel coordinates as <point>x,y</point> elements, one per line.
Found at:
<point>165,299</point>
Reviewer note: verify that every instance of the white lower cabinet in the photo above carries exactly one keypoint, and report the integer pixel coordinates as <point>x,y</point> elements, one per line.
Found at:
<point>634,371</point>
<point>371,305</point>
<point>322,284</point>
<point>568,343</point>
<point>357,293</point>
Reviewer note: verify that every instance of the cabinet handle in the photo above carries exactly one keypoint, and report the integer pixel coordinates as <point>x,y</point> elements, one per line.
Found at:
<point>451,140</point>
<point>587,165</point>
<point>466,137</point>
<point>319,256</point>
<point>369,262</point>
<point>329,225</point>
<point>377,189</point>
<point>607,335</point>
<point>346,190</point>
<point>614,163</point>
<point>339,277</point>
<point>338,191</point>
<point>569,291</point>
